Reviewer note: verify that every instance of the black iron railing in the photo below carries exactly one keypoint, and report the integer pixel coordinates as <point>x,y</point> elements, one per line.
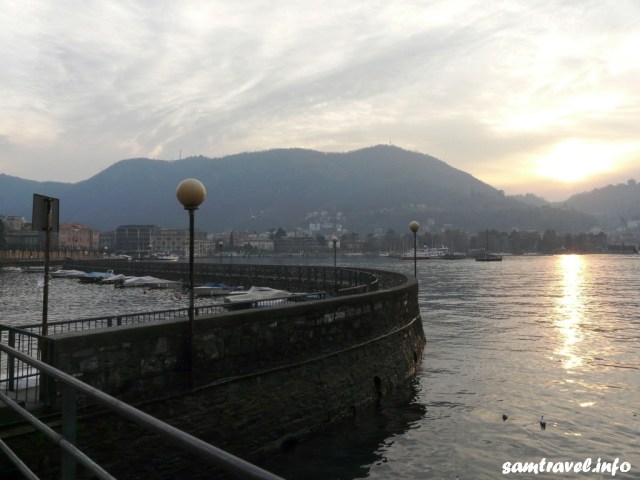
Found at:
<point>71,456</point>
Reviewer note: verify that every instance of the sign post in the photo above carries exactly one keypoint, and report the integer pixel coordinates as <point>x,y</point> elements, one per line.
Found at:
<point>46,214</point>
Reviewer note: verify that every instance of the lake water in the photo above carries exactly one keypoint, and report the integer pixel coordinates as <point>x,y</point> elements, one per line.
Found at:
<point>555,336</point>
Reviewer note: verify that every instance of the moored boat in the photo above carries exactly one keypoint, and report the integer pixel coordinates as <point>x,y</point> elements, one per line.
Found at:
<point>455,256</point>
<point>95,277</point>
<point>489,257</point>
<point>426,254</point>
<point>67,273</point>
<point>113,279</point>
<point>36,269</point>
<point>11,269</point>
<point>214,289</point>
<point>147,282</point>
<point>170,257</point>
<point>253,295</point>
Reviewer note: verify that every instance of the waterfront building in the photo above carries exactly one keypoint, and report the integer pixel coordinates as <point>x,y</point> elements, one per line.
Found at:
<point>75,237</point>
<point>12,222</point>
<point>291,245</point>
<point>141,241</point>
<point>261,242</point>
<point>134,240</point>
<point>28,240</point>
<point>107,242</point>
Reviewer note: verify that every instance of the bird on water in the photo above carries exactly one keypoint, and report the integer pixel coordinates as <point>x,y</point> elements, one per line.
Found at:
<point>543,423</point>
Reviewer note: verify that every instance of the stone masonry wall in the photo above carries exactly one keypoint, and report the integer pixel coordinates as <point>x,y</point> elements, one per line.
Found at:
<point>262,378</point>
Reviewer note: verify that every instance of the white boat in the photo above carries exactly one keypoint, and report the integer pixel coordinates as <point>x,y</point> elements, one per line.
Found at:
<point>11,269</point>
<point>95,277</point>
<point>426,254</point>
<point>255,294</point>
<point>166,257</point>
<point>455,256</point>
<point>121,257</point>
<point>113,279</point>
<point>213,289</point>
<point>37,269</point>
<point>67,273</point>
<point>147,282</point>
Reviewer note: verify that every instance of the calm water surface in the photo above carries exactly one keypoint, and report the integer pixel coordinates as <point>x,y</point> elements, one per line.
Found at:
<point>555,336</point>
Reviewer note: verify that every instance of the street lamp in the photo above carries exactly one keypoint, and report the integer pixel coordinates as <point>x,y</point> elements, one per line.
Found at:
<point>191,193</point>
<point>334,240</point>
<point>414,226</point>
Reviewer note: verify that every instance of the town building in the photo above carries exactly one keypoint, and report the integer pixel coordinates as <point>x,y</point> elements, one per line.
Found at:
<point>141,241</point>
<point>74,237</point>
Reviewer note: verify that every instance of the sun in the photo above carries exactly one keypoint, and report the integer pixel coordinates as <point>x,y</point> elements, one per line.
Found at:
<point>575,160</point>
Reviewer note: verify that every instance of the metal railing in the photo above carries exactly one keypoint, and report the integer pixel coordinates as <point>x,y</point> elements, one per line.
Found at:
<point>17,378</point>
<point>22,382</point>
<point>25,376</point>
<point>71,456</point>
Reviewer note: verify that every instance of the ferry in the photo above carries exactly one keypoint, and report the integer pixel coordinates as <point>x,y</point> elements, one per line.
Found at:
<point>426,254</point>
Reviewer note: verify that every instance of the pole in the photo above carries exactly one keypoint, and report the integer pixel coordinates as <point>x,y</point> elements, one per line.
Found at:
<point>47,248</point>
<point>335,261</point>
<point>415,255</point>
<point>335,264</point>
<point>191,307</point>
<point>46,392</point>
<point>191,248</point>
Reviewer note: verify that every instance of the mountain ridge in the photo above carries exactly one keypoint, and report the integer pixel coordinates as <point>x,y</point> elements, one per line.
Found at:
<point>379,186</point>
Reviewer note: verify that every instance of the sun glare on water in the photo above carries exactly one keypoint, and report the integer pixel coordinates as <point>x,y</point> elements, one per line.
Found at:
<point>574,160</point>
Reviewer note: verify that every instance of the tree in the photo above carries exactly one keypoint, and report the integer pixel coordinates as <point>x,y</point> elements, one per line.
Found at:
<point>3,239</point>
<point>551,242</point>
<point>568,242</point>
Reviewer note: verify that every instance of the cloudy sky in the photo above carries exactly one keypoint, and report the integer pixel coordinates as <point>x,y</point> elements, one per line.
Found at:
<point>538,96</point>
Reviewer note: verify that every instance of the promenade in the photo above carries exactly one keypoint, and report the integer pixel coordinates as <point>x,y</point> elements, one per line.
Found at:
<point>334,357</point>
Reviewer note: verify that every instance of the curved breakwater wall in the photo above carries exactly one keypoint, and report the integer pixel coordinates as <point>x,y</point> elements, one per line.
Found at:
<point>250,382</point>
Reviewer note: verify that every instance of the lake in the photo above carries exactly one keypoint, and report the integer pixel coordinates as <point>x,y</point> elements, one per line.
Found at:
<point>553,336</point>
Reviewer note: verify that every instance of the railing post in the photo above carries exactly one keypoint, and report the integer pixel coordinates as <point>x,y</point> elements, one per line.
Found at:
<point>69,419</point>
<point>48,381</point>
<point>11,363</point>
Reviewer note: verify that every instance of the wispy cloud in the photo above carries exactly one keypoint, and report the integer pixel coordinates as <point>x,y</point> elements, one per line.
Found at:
<point>488,87</point>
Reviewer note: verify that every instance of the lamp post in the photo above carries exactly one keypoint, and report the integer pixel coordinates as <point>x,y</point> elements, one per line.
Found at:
<point>191,193</point>
<point>414,226</point>
<point>334,240</point>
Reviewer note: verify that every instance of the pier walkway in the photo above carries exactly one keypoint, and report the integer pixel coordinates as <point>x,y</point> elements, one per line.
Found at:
<point>54,384</point>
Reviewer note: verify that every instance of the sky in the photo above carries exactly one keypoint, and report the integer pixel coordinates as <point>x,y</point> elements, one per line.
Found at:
<point>530,96</point>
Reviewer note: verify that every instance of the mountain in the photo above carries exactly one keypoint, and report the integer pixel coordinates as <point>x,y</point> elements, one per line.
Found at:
<point>613,205</point>
<point>382,186</point>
